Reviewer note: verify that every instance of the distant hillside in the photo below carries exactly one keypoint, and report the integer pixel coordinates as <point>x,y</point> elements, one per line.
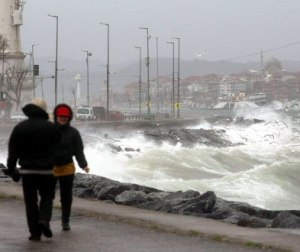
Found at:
<point>122,75</point>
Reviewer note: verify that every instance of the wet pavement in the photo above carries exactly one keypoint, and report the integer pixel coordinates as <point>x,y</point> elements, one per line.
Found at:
<point>99,226</point>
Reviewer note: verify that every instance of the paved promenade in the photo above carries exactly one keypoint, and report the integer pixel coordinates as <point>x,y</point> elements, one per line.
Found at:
<point>99,226</point>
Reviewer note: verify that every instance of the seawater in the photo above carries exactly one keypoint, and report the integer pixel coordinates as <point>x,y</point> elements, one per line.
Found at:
<point>262,169</point>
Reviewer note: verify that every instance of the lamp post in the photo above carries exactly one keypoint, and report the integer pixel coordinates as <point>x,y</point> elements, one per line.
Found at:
<point>157,79</point>
<point>56,58</point>
<point>33,73</point>
<point>178,79</point>
<point>173,80</point>
<point>140,80</point>
<point>2,76</point>
<point>87,76</point>
<point>148,71</point>
<point>107,73</point>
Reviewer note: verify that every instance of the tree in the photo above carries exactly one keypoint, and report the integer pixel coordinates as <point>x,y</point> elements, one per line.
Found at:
<point>15,81</point>
<point>3,43</point>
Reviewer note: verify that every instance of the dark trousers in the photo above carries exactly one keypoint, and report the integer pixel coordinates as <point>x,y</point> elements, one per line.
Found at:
<point>35,187</point>
<point>66,191</point>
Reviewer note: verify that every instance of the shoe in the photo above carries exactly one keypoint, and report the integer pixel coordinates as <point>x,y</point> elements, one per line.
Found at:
<point>45,228</point>
<point>34,238</point>
<point>66,226</point>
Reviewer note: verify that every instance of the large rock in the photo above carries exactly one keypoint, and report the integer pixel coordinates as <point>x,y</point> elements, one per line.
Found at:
<point>189,137</point>
<point>110,192</point>
<point>286,219</point>
<point>188,203</point>
<point>131,197</point>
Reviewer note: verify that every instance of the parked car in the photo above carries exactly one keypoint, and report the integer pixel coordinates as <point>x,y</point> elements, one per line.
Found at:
<point>84,113</point>
<point>18,117</point>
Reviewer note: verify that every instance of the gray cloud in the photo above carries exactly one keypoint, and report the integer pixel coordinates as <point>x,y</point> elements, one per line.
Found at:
<point>224,28</point>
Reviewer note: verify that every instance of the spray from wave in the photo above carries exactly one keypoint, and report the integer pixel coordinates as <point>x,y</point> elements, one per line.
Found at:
<point>262,170</point>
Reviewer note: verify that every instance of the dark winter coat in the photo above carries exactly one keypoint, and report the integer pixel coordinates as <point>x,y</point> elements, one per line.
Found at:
<point>70,145</point>
<point>33,142</point>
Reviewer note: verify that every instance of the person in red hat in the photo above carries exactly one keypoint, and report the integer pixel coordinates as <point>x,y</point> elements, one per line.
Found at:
<point>70,146</point>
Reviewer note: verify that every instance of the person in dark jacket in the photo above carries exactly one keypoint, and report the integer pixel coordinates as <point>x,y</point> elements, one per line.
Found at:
<point>32,145</point>
<point>70,146</point>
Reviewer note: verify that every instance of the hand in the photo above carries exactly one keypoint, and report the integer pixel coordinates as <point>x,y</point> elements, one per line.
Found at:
<point>14,174</point>
<point>86,169</point>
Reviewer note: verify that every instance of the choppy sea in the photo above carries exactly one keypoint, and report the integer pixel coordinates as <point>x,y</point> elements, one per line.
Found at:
<point>263,170</point>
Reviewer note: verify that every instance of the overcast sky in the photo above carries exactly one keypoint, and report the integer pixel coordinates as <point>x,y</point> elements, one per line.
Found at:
<point>217,29</point>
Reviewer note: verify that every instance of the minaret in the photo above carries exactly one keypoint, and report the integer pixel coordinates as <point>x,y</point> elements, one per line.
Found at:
<point>11,13</point>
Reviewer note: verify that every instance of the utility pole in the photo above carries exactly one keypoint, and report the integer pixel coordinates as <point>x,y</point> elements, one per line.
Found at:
<point>33,71</point>
<point>87,76</point>
<point>148,71</point>
<point>178,79</point>
<point>173,81</point>
<point>107,73</point>
<point>56,58</point>
<point>140,80</point>
<point>157,80</point>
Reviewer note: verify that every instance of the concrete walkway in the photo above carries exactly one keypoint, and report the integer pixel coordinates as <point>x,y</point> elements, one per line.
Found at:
<point>151,229</point>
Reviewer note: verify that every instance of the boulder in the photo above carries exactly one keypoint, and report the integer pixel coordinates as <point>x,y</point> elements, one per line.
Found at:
<point>189,202</point>
<point>286,219</point>
<point>189,137</point>
<point>131,198</point>
<point>110,192</point>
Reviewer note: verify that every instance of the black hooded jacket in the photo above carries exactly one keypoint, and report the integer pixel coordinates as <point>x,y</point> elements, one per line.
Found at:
<point>33,142</point>
<point>71,143</point>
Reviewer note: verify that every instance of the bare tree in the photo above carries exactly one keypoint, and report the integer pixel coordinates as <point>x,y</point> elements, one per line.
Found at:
<point>15,81</point>
<point>3,43</point>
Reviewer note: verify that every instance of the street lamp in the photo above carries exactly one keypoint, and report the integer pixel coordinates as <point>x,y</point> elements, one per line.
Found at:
<point>62,86</point>
<point>107,73</point>
<point>56,56</point>
<point>173,81</point>
<point>33,71</point>
<point>178,79</point>
<point>148,71</point>
<point>157,79</point>
<point>87,76</point>
<point>140,79</point>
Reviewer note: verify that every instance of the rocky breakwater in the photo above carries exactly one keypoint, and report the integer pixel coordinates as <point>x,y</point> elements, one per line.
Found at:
<point>190,202</point>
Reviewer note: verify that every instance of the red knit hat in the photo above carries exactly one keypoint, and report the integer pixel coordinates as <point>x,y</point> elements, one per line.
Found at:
<point>63,111</point>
